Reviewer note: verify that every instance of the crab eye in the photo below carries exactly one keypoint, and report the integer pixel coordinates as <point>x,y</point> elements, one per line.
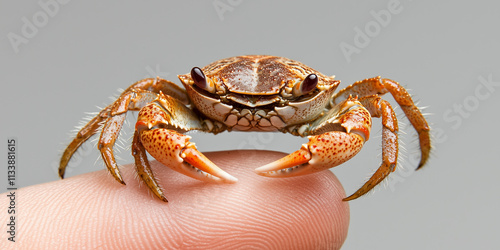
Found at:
<point>200,80</point>
<point>306,86</point>
<point>198,77</point>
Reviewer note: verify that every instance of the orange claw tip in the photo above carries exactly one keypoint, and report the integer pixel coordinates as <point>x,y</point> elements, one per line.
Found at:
<point>290,165</point>
<point>201,162</point>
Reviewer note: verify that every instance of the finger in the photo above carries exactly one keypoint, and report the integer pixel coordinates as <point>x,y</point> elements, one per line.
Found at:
<point>93,210</point>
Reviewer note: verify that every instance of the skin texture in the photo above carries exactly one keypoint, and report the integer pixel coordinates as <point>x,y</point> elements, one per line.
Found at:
<point>94,211</point>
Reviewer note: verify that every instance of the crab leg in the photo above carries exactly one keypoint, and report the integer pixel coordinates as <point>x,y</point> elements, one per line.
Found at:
<point>414,115</point>
<point>378,86</point>
<point>136,96</point>
<point>133,100</point>
<point>379,107</point>
<point>144,169</point>
<point>91,128</point>
<point>352,123</point>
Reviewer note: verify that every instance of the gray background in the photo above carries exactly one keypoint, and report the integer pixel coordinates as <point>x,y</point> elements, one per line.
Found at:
<point>83,51</point>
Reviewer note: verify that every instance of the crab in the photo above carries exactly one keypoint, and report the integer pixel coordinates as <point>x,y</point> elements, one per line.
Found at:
<point>253,93</point>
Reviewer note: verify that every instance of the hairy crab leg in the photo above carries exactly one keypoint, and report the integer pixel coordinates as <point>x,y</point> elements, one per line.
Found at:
<point>378,86</point>
<point>148,88</point>
<point>132,100</point>
<point>381,108</point>
<point>414,116</point>
<point>366,87</point>
<point>91,128</point>
<point>157,85</point>
<point>110,132</point>
<point>144,169</point>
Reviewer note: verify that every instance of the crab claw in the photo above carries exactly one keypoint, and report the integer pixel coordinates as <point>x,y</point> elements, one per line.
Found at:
<point>174,150</point>
<point>321,152</point>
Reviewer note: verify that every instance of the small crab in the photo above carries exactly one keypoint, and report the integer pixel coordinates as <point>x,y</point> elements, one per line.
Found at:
<point>253,93</point>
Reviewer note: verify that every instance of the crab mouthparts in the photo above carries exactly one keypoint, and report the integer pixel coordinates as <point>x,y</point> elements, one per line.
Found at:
<point>253,100</point>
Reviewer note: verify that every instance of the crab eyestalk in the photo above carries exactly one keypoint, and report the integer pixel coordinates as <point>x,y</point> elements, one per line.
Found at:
<point>201,81</point>
<point>306,86</point>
